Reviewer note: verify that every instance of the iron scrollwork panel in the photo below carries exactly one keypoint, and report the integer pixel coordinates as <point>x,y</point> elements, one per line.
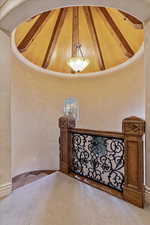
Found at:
<point>99,158</point>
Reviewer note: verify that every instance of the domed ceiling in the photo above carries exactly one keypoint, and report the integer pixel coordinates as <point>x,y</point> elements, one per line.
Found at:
<point>108,37</point>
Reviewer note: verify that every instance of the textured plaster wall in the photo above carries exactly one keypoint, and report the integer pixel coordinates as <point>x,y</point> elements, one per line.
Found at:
<point>5,70</point>
<point>37,103</point>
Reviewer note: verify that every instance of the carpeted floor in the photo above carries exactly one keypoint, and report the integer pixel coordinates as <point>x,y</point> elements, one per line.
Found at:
<point>60,200</point>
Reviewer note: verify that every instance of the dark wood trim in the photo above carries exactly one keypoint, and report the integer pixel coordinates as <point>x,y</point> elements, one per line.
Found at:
<point>128,50</point>
<point>22,179</point>
<point>57,29</point>
<point>75,30</point>
<point>96,132</point>
<point>35,172</point>
<point>65,123</point>
<point>32,33</point>
<point>97,185</point>
<point>137,23</point>
<point>133,129</point>
<point>48,172</point>
<point>92,29</point>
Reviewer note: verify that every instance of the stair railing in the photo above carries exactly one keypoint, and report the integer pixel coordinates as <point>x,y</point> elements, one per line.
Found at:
<point>110,161</point>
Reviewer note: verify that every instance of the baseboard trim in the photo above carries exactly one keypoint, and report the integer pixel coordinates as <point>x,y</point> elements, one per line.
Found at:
<point>5,189</point>
<point>147,194</point>
<point>22,179</point>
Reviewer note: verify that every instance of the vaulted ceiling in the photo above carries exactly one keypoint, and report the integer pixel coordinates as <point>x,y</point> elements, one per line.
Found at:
<point>108,37</point>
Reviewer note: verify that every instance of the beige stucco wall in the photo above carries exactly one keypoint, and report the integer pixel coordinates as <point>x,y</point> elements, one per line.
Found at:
<point>37,103</point>
<point>5,70</point>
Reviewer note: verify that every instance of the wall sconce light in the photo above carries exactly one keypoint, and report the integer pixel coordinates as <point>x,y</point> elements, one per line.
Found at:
<point>71,108</point>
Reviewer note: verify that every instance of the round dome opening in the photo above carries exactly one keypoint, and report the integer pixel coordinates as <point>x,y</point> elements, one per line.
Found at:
<point>108,38</point>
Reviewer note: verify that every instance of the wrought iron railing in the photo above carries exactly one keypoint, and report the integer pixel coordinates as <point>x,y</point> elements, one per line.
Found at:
<point>110,161</point>
<point>99,158</point>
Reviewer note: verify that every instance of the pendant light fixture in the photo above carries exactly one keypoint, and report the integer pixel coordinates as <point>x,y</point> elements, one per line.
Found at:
<point>78,63</point>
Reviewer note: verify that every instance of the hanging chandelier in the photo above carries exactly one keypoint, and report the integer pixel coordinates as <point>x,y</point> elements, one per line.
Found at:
<point>78,63</point>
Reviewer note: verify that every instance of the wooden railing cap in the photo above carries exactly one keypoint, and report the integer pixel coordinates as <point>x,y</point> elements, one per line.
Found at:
<point>133,126</point>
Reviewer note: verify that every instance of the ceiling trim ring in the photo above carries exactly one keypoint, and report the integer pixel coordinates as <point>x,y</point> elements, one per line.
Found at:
<point>25,61</point>
<point>11,12</point>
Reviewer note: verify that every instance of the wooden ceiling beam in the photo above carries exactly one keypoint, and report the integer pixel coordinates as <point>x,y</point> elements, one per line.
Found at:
<point>57,29</point>
<point>94,36</point>
<point>35,29</point>
<point>75,30</point>
<point>128,50</point>
<point>137,23</point>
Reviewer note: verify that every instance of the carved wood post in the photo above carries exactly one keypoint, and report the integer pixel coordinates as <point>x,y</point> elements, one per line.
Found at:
<point>65,123</point>
<point>133,129</point>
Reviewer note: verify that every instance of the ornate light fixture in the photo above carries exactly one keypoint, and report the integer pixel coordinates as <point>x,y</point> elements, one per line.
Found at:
<point>78,63</point>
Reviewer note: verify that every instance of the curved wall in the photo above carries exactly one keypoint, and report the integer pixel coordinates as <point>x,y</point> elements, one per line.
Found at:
<point>37,103</point>
<point>5,73</point>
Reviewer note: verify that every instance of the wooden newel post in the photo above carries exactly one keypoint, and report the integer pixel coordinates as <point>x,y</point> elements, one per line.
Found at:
<point>133,129</point>
<point>65,123</point>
